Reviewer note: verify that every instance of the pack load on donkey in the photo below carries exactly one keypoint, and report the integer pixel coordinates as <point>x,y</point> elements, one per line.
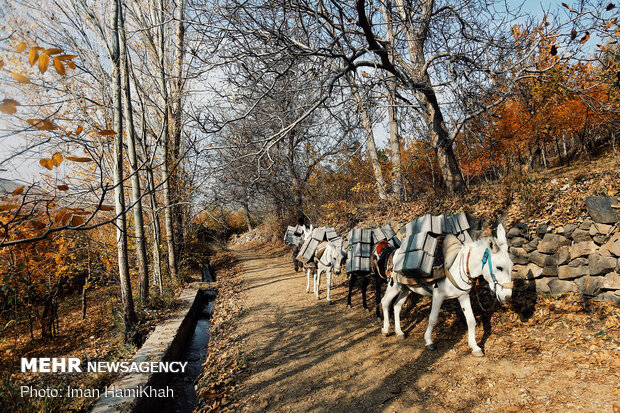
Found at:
<point>360,243</point>
<point>312,246</point>
<point>385,233</point>
<point>293,235</point>
<point>422,249</point>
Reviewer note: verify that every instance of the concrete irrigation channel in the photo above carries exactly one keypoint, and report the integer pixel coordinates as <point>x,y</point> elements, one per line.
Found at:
<point>184,338</point>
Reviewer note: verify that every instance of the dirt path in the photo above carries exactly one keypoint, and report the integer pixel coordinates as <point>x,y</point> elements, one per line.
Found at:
<point>307,356</point>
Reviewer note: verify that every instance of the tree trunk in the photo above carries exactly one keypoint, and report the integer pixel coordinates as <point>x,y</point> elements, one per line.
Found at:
<point>165,166</point>
<point>119,197</point>
<point>177,123</point>
<point>370,140</point>
<point>397,177</point>
<point>143,269</point>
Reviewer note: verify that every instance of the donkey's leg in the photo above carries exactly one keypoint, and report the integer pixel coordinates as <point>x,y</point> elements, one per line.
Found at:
<point>364,288</point>
<point>317,281</point>
<point>352,278</point>
<point>391,291</point>
<point>471,325</point>
<point>432,319</point>
<point>398,305</point>
<point>328,275</point>
<point>308,280</point>
<point>377,295</point>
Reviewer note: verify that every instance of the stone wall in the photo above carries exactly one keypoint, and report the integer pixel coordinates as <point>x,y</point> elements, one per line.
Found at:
<point>583,258</point>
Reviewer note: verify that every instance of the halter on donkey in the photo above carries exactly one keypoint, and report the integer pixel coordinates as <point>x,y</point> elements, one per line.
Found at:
<point>487,257</point>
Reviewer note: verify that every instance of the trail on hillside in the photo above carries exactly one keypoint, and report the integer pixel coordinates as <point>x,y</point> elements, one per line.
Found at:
<point>306,355</point>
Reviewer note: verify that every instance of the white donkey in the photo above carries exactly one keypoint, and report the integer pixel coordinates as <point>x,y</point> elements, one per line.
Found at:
<point>310,268</point>
<point>332,259</point>
<point>487,257</point>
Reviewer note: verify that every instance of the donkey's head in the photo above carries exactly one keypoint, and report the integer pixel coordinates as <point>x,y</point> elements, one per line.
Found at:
<point>497,265</point>
<point>339,256</point>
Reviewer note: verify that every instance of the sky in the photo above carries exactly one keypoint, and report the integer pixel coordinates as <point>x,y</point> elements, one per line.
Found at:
<point>27,169</point>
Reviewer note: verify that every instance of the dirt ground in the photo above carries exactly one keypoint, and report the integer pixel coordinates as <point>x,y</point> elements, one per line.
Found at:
<point>304,355</point>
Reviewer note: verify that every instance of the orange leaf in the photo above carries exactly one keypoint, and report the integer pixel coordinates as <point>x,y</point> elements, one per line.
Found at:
<point>106,132</point>
<point>44,61</point>
<point>585,38</point>
<point>66,217</point>
<point>77,220</point>
<point>79,130</point>
<point>1,63</point>
<point>42,124</point>
<point>21,47</point>
<point>37,224</point>
<point>60,67</point>
<point>106,208</point>
<point>59,215</point>
<point>57,158</point>
<point>9,106</point>
<point>78,159</point>
<point>47,163</point>
<point>71,65</point>
<point>63,187</point>
<point>7,207</point>
<point>53,51</point>
<point>66,57</point>
<point>568,7</point>
<point>33,56</point>
<point>18,191</point>
<point>81,213</point>
<point>20,78</point>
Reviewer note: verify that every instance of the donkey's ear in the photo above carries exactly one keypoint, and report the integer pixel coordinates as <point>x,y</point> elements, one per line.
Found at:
<point>501,235</point>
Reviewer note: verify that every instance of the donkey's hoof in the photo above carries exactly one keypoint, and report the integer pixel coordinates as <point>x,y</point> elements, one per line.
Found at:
<point>366,309</point>
<point>330,302</point>
<point>349,306</point>
<point>400,336</point>
<point>477,353</point>
<point>385,333</point>
<point>431,347</point>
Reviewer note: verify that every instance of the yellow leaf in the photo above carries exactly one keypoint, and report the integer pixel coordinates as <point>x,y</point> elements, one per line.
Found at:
<point>7,207</point>
<point>37,224</point>
<point>33,56</point>
<point>57,158</point>
<point>79,130</point>
<point>60,67</point>
<point>66,57</point>
<point>106,208</point>
<point>71,65</point>
<point>59,215</point>
<point>63,187</point>
<point>20,78</point>
<point>21,47</point>
<point>53,51</point>
<point>9,106</point>
<point>44,61</point>
<point>18,191</point>
<point>47,163</point>
<point>77,220</point>
<point>78,159</point>
<point>106,132</point>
